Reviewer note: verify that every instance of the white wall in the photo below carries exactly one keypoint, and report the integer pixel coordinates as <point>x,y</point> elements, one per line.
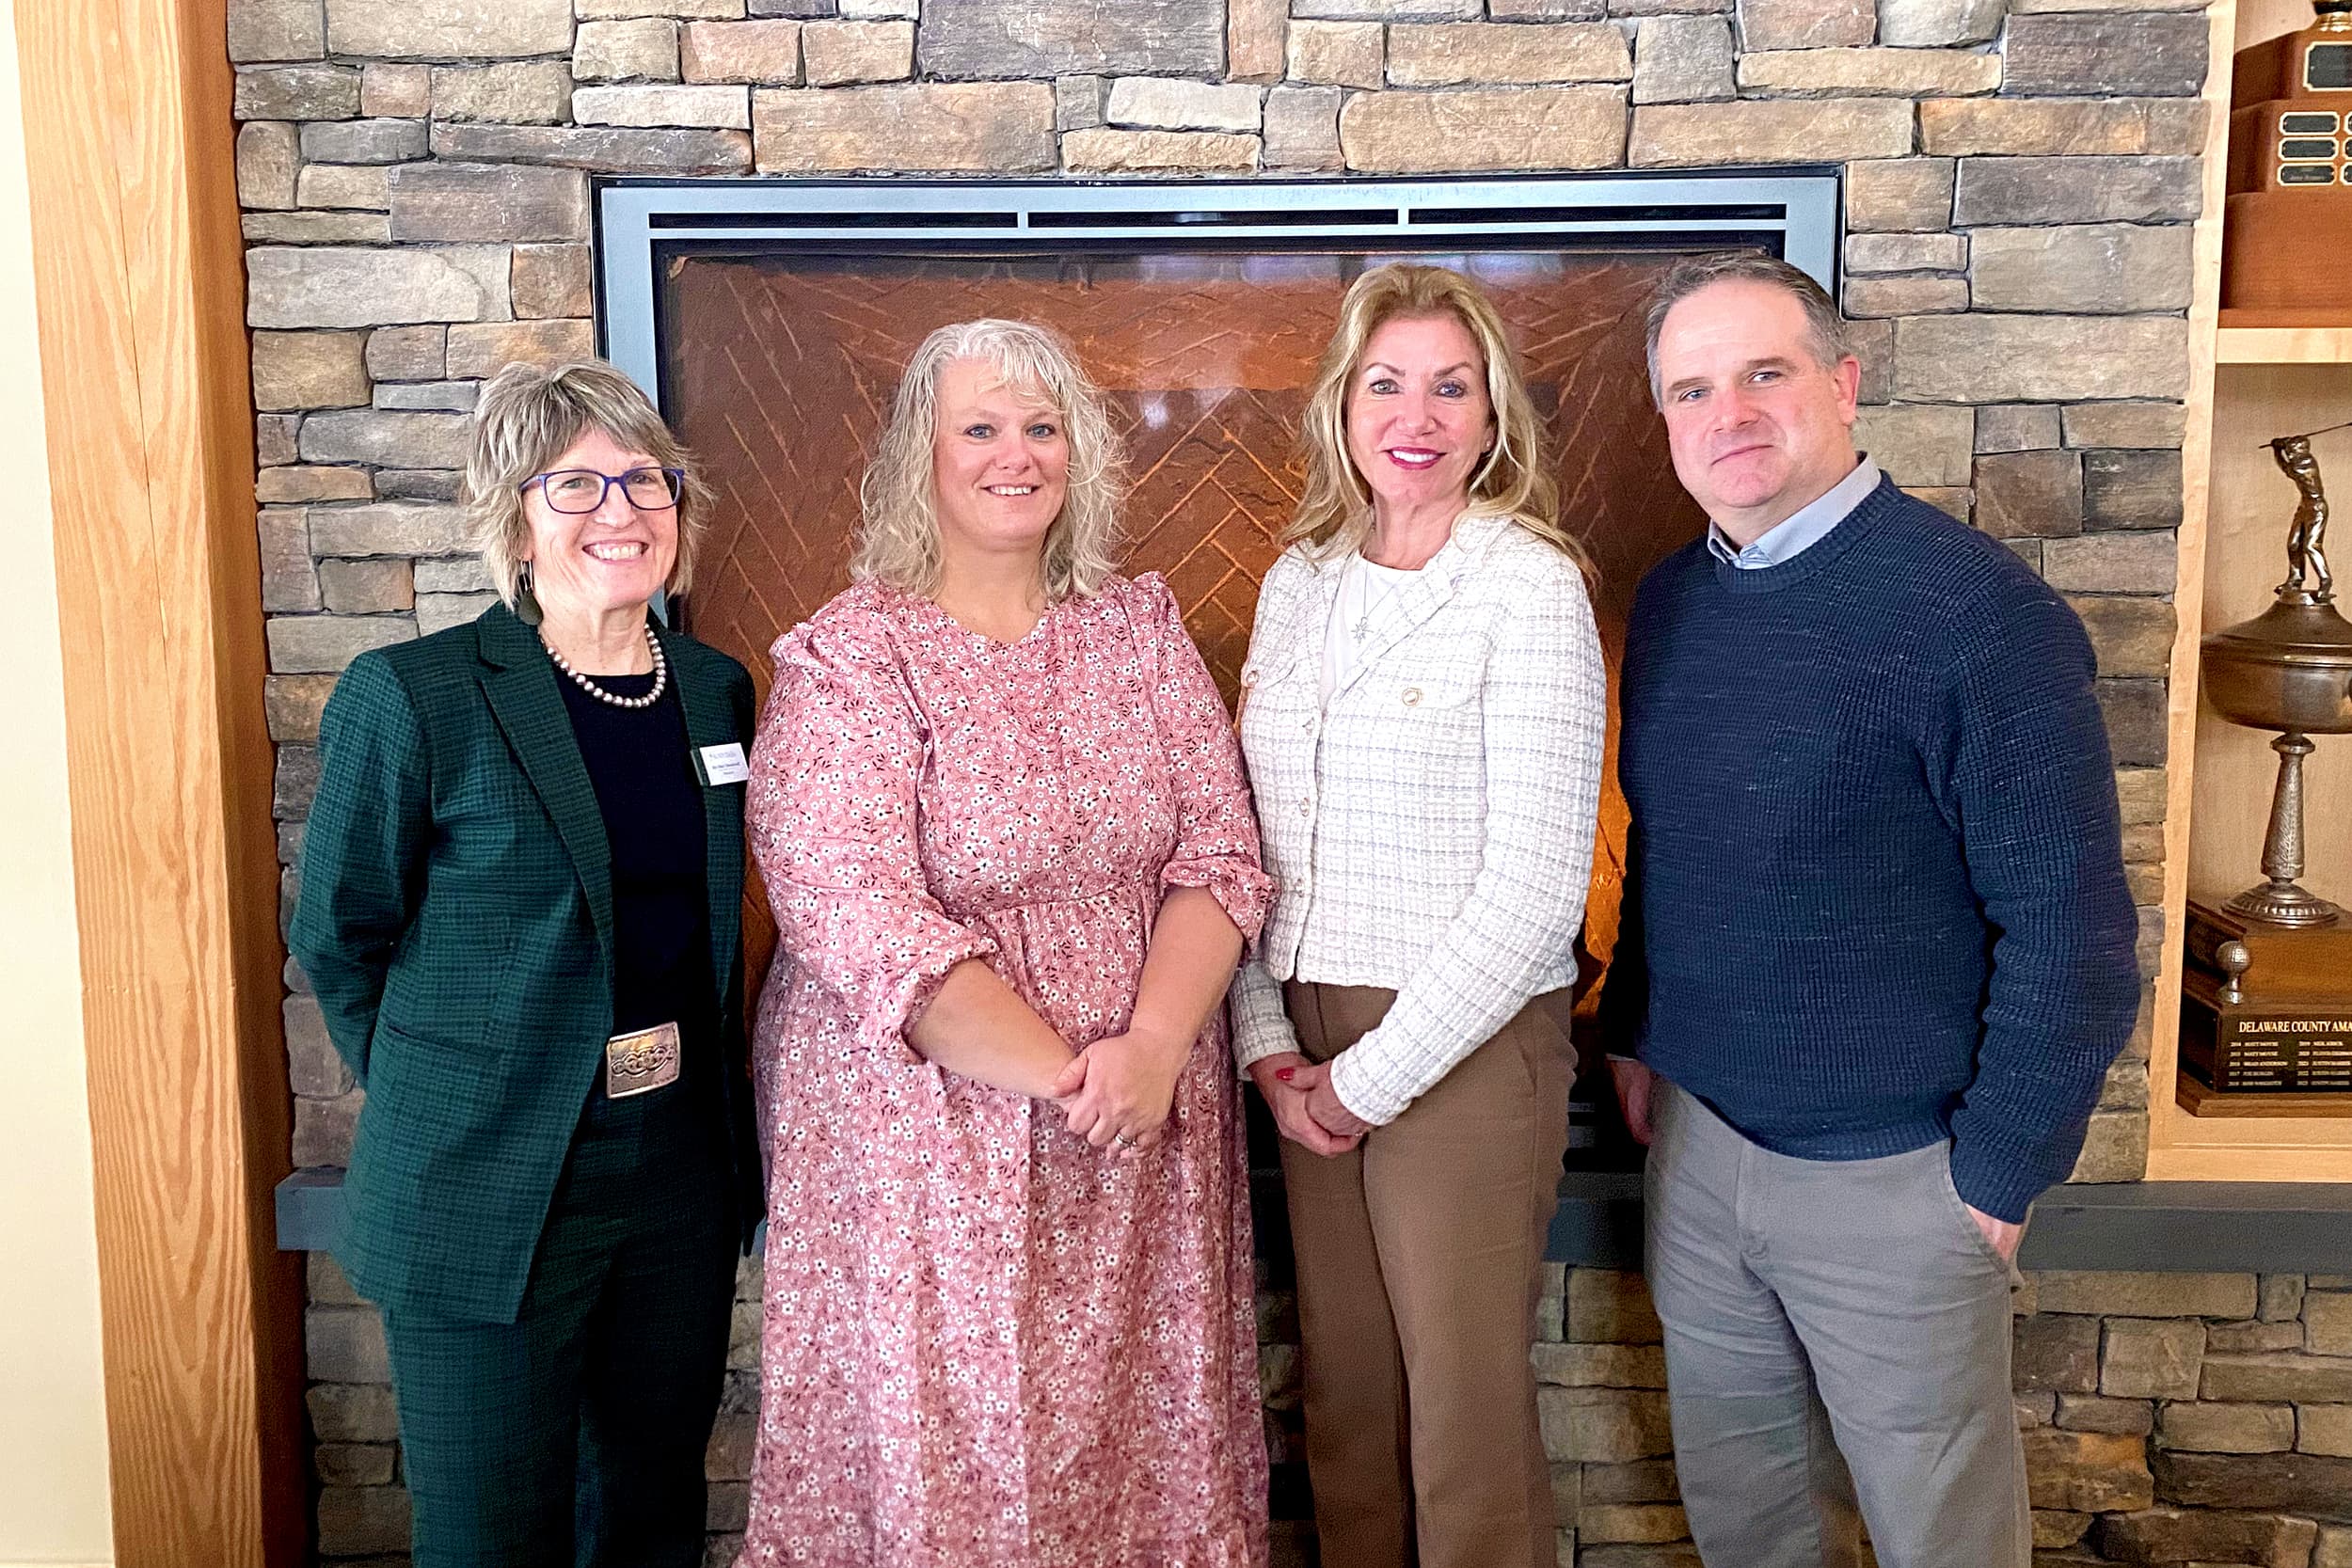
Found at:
<point>53,1429</point>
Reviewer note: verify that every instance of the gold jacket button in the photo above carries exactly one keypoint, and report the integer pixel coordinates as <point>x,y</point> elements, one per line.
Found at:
<point>1412,696</point>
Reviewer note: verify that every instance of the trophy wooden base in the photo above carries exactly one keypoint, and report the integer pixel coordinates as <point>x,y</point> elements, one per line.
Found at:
<point>2278,255</point>
<point>2266,1014</point>
<point>2200,1098</point>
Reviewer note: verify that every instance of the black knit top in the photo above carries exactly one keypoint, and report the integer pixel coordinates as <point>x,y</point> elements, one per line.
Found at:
<point>652,805</point>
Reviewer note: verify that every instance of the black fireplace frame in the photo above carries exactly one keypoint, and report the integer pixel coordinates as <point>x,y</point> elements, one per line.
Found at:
<point>642,224</point>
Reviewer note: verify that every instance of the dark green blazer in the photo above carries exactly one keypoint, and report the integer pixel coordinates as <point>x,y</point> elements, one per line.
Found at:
<point>457,923</point>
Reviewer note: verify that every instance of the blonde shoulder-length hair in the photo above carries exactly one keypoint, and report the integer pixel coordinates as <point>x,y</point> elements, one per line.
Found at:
<point>898,543</point>
<point>1515,482</point>
<point>525,418</point>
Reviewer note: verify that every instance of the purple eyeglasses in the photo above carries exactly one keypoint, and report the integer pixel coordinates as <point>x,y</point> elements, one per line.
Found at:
<point>578,490</point>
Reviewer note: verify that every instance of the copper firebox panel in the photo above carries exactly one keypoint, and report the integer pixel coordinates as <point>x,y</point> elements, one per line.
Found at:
<point>781,369</point>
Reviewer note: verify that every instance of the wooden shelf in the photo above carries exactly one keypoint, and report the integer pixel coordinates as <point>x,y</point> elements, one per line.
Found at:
<point>2307,342</point>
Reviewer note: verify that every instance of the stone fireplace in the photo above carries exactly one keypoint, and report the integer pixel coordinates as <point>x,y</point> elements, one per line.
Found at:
<point>2010,235</point>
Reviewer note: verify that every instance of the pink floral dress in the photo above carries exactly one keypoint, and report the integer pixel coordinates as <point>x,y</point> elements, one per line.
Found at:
<point>987,1344</point>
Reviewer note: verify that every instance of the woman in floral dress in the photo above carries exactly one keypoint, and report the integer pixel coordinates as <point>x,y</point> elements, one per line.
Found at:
<point>1002,823</point>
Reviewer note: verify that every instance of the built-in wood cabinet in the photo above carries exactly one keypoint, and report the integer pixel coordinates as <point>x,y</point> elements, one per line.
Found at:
<point>2254,376</point>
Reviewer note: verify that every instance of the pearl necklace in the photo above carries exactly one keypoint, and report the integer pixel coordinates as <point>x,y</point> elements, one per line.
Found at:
<point>661,675</point>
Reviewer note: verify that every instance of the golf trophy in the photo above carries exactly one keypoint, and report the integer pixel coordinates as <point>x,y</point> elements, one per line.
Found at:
<point>2268,986</point>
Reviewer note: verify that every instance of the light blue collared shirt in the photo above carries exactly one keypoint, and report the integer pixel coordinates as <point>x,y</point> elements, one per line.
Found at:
<point>1802,529</point>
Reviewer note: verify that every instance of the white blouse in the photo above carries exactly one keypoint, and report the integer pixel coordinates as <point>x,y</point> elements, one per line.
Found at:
<point>1363,584</point>
<point>1430,823</point>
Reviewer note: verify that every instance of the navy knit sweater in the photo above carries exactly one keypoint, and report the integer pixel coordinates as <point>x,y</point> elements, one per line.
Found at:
<point>1876,896</point>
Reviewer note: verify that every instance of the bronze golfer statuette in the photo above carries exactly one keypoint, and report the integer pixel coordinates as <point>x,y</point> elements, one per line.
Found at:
<point>2289,668</point>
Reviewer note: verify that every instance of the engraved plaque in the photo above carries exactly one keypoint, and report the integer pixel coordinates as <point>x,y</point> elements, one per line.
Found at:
<point>2265,1009</point>
<point>2250,1051</point>
<point>2327,67</point>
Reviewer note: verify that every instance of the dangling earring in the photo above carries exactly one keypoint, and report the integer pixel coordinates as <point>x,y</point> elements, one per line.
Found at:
<point>527,609</point>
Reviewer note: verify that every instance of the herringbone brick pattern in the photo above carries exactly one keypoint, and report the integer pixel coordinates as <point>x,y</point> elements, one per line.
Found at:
<point>782,370</point>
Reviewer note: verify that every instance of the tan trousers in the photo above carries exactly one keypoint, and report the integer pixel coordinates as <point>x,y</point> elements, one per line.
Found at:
<point>1418,1256</point>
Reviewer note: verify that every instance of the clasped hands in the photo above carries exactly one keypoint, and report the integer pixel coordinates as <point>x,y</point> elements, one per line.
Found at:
<point>1305,1107</point>
<point>1119,1090</point>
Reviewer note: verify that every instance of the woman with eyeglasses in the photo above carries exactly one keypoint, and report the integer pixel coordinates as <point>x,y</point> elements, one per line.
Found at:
<point>519,904</point>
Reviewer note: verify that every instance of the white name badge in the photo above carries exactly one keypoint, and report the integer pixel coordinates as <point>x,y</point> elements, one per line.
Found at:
<point>724,765</point>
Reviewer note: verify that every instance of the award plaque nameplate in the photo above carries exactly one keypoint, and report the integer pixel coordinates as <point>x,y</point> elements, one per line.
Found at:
<point>2289,211</point>
<point>2265,1008</point>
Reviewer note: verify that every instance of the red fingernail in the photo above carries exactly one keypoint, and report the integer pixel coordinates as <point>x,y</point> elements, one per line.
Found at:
<point>1284,1073</point>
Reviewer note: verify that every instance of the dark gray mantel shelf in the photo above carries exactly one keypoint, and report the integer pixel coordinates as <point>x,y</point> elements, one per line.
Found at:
<point>2153,1226</point>
<point>2156,1227</point>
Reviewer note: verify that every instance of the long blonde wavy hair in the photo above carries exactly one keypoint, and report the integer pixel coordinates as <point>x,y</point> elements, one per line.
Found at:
<point>897,542</point>
<point>1515,482</point>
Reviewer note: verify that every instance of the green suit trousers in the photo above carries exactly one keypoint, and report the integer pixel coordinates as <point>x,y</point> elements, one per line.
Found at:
<point>574,1436</point>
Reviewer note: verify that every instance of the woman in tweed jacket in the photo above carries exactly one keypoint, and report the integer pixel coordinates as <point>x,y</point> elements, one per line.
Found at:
<point>1422,721</point>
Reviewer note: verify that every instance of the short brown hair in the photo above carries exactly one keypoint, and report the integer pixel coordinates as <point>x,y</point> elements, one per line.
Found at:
<point>1515,482</point>
<point>1825,330</point>
<point>525,418</point>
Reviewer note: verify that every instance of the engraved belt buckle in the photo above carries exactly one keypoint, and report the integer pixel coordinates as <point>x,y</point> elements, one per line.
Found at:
<point>641,1062</point>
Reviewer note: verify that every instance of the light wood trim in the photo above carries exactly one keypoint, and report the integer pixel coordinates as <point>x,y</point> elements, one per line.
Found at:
<point>2259,21</point>
<point>2183,1148</point>
<point>2243,1153</point>
<point>139,274</point>
<point>2286,345</point>
<point>2188,595</point>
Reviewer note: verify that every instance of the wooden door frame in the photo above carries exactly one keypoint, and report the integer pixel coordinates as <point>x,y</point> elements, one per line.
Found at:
<point>139,272</point>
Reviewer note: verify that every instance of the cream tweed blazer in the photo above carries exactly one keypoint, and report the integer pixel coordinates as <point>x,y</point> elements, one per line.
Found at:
<point>1430,828</point>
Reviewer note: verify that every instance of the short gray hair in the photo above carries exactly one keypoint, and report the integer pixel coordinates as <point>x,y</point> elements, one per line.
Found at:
<point>525,418</point>
<point>897,542</point>
<point>1825,330</point>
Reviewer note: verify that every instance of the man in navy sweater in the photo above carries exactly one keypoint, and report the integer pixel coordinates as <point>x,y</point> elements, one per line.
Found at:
<point>1877,957</point>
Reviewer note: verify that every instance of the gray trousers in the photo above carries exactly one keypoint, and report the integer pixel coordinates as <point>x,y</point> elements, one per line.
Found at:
<point>1838,1335</point>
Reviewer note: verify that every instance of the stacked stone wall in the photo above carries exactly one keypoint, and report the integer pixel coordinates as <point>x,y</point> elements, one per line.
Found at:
<point>413,174</point>
<point>2190,1418</point>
